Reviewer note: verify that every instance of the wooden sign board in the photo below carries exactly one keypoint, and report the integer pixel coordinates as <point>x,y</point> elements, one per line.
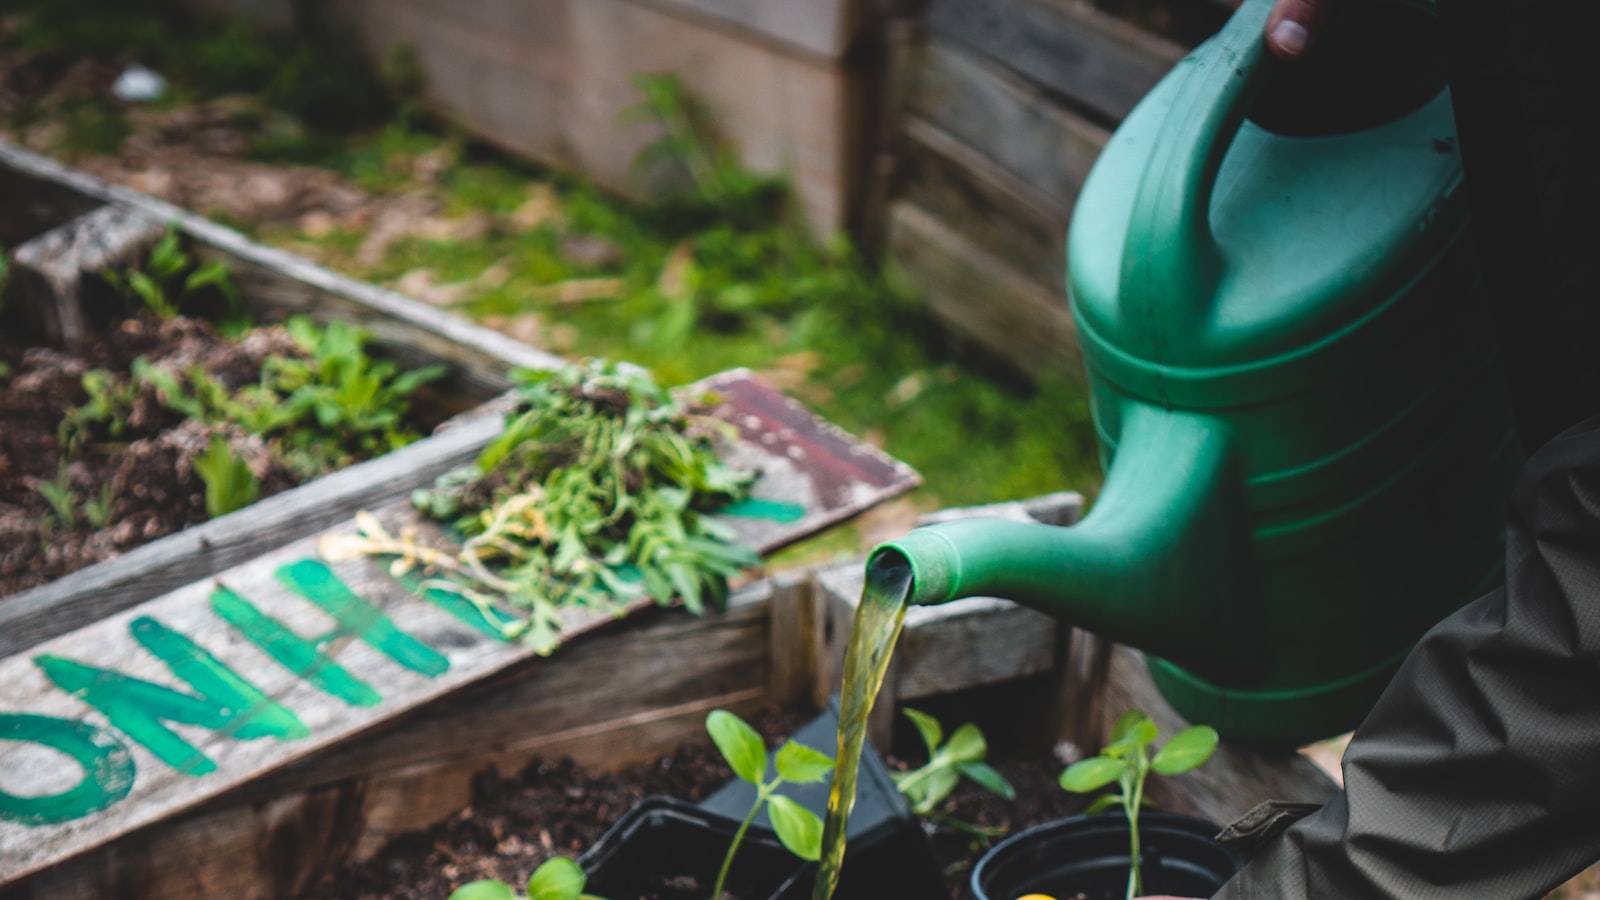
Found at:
<point>146,713</point>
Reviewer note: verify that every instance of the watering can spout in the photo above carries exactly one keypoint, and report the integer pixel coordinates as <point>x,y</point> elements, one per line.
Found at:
<point>1158,564</point>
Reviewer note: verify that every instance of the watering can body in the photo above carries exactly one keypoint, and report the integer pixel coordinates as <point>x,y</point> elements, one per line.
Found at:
<point>1308,442</point>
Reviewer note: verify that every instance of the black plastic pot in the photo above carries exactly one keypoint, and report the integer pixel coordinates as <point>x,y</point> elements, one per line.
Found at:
<point>662,841</point>
<point>1088,855</point>
<point>886,855</point>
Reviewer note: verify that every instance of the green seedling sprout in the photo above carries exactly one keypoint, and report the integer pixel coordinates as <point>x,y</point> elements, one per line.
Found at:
<point>230,485</point>
<point>948,761</point>
<point>799,829</point>
<point>557,879</point>
<point>1127,761</point>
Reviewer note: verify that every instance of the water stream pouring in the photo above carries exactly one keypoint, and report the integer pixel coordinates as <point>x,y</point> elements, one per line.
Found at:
<point>1308,442</point>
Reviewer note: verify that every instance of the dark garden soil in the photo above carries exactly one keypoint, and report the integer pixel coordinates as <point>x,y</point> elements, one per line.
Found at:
<point>129,483</point>
<point>556,809</point>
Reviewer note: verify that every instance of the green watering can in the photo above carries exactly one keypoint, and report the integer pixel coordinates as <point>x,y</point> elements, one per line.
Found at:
<point>1308,442</point>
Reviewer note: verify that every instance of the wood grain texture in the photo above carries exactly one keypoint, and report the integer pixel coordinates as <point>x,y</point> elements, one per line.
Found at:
<point>1006,120</point>
<point>57,273</point>
<point>975,293</point>
<point>822,28</point>
<point>1104,65</point>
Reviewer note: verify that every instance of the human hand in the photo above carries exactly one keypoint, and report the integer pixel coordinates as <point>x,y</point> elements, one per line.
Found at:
<point>1294,26</point>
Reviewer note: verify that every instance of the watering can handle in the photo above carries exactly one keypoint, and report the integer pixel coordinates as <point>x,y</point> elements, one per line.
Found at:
<point>1179,259</point>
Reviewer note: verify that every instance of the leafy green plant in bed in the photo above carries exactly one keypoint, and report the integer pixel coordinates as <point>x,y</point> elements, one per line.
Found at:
<point>597,492</point>
<point>798,829</point>
<point>334,406</point>
<point>1126,760</point>
<point>169,278</point>
<point>961,756</point>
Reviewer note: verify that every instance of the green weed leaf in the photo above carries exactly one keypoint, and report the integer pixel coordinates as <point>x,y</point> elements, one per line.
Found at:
<point>966,744</point>
<point>988,778</point>
<point>927,726</point>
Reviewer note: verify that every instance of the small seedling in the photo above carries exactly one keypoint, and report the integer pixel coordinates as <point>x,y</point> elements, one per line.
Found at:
<point>230,485</point>
<point>62,499</point>
<point>798,828</point>
<point>97,509</point>
<point>557,879</point>
<point>169,277</point>
<point>1126,760</point>
<point>948,761</point>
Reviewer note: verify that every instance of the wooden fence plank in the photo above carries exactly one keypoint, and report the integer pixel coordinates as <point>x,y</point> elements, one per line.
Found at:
<point>1004,119</point>
<point>980,296</point>
<point>825,28</point>
<point>998,213</point>
<point>1100,62</point>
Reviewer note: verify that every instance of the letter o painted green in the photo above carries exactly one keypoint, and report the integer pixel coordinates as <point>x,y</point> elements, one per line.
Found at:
<point>107,769</point>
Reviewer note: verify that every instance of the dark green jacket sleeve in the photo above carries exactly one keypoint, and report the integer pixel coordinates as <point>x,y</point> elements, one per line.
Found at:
<point>1477,774</point>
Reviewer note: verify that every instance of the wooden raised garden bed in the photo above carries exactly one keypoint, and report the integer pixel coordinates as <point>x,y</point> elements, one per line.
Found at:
<point>172,720</point>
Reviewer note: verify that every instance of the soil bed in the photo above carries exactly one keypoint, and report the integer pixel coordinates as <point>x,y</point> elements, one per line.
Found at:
<point>77,489</point>
<point>146,470</point>
<point>557,809</point>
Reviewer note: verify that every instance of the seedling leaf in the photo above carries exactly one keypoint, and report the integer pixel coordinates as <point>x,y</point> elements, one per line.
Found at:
<point>739,744</point>
<point>488,889</point>
<point>801,764</point>
<point>988,778</point>
<point>1186,749</point>
<point>966,744</point>
<point>797,827</point>
<point>557,879</point>
<point>927,726</point>
<point>1091,774</point>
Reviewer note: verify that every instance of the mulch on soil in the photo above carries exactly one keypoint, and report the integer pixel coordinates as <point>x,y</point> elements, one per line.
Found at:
<point>557,809</point>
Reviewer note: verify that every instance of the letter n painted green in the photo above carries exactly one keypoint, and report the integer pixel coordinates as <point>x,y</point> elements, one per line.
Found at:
<point>140,709</point>
<point>356,617</point>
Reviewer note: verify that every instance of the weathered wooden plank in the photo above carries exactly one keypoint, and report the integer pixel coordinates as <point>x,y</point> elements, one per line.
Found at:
<point>65,604</point>
<point>1022,130</point>
<point>824,28</point>
<point>996,211</point>
<point>33,207</point>
<point>387,654</point>
<point>978,295</point>
<point>1100,62</point>
<point>549,78</point>
<point>57,273</point>
<point>624,695</point>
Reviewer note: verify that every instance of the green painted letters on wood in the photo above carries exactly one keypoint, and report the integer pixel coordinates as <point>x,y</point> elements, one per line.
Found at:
<point>298,655</point>
<point>316,582</point>
<point>107,769</point>
<point>140,709</point>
